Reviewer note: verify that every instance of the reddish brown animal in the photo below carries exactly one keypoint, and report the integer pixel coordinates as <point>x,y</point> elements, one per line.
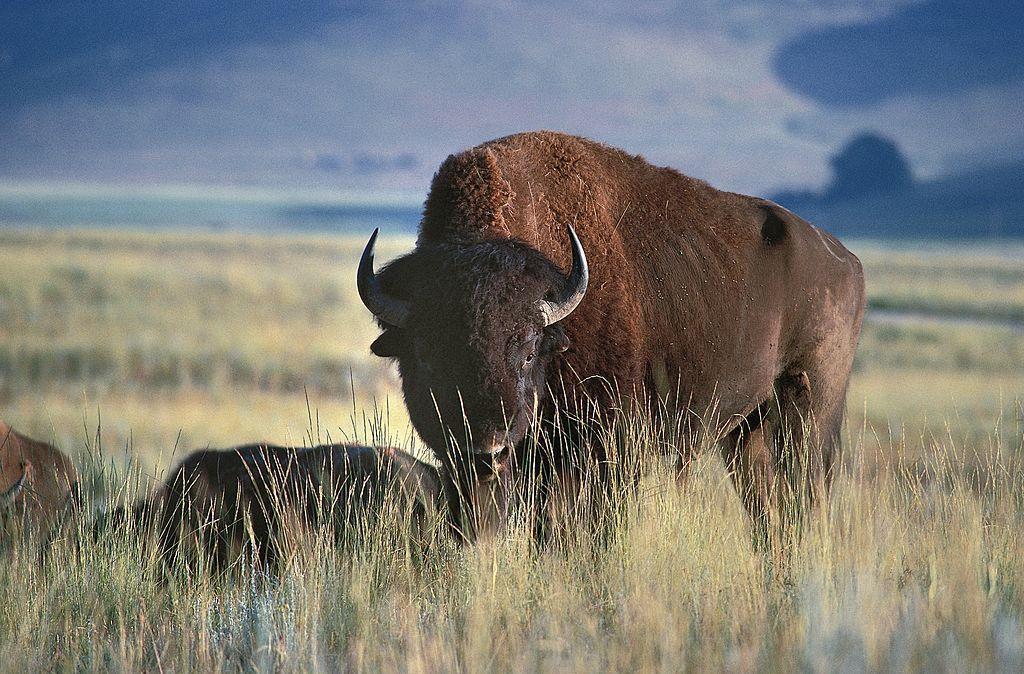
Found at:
<point>722,305</point>
<point>246,502</point>
<point>38,484</point>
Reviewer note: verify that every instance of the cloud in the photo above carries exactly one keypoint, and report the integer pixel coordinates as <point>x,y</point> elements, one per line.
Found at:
<point>422,86</point>
<point>367,163</point>
<point>297,105</point>
<point>328,162</point>
<point>97,49</point>
<point>934,48</point>
<point>940,134</point>
<point>362,163</point>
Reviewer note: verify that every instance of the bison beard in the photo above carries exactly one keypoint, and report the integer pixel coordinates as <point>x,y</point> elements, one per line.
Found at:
<point>700,300</point>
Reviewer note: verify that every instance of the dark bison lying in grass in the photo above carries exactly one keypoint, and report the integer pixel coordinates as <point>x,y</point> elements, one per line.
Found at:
<point>683,298</point>
<point>38,485</point>
<point>250,501</point>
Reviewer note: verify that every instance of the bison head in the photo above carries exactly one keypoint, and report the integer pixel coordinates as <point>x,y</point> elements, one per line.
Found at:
<point>474,327</point>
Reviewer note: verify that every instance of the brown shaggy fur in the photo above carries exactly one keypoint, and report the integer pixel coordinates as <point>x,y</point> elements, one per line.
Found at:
<point>38,484</point>
<point>247,501</point>
<point>706,302</point>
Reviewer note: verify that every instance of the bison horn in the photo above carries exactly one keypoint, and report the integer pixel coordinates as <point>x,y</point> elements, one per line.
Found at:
<point>388,309</point>
<point>575,285</point>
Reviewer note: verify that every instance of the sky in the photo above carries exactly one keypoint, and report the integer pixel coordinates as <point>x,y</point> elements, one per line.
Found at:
<point>752,96</point>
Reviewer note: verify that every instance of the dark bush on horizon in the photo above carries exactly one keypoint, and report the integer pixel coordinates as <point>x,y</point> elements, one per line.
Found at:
<point>868,164</point>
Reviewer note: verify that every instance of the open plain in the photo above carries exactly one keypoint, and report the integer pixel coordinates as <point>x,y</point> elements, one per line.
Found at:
<point>129,349</point>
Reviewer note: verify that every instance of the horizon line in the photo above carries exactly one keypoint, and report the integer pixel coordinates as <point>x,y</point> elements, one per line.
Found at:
<point>47,189</point>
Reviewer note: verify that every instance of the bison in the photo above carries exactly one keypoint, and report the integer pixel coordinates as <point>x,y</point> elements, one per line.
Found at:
<point>247,501</point>
<point>551,268</point>
<point>38,485</point>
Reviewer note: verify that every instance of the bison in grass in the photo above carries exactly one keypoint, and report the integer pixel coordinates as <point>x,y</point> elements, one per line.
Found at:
<point>251,501</point>
<point>38,485</point>
<point>680,296</point>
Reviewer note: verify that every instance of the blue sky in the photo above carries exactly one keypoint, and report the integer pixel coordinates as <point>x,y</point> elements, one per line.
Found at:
<point>750,95</point>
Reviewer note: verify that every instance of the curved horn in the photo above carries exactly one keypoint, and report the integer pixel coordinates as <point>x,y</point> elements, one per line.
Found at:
<point>388,309</point>
<point>575,285</point>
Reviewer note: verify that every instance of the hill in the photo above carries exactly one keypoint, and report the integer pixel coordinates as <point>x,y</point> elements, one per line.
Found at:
<point>874,194</point>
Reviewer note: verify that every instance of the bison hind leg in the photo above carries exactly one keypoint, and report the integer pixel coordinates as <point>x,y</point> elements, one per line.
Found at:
<point>751,467</point>
<point>780,460</point>
<point>807,435</point>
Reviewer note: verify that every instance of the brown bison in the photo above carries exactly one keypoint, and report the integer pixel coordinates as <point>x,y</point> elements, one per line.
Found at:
<point>720,305</point>
<point>247,501</point>
<point>38,485</point>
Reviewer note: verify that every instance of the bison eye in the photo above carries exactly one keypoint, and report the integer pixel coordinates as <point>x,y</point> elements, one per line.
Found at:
<point>527,360</point>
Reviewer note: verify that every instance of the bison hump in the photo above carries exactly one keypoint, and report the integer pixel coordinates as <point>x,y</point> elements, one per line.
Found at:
<point>468,197</point>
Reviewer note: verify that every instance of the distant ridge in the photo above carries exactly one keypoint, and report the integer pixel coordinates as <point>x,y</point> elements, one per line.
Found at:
<point>873,193</point>
<point>171,206</point>
<point>986,202</point>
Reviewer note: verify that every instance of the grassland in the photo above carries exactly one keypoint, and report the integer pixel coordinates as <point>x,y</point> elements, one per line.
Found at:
<point>151,342</point>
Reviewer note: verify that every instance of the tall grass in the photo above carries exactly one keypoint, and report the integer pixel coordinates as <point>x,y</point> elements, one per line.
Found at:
<point>128,349</point>
<point>914,564</point>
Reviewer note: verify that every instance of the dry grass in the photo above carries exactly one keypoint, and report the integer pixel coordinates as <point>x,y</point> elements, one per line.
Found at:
<point>913,566</point>
<point>220,337</point>
<point>916,564</point>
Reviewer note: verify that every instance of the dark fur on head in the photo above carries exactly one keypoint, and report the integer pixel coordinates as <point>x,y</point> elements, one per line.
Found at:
<point>474,356</point>
<point>474,352</point>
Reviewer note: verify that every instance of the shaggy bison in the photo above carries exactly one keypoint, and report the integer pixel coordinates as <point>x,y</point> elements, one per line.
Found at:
<point>247,501</point>
<point>687,298</point>
<point>38,484</point>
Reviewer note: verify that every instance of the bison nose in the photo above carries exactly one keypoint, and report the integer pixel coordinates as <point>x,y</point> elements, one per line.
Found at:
<point>493,445</point>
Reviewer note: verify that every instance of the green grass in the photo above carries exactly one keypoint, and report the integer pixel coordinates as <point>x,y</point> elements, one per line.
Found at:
<point>957,279</point>
<point>135,338</point>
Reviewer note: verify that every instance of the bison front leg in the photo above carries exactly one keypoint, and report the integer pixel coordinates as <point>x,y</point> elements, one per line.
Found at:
<point>477,498</point>
<point>568,498</point>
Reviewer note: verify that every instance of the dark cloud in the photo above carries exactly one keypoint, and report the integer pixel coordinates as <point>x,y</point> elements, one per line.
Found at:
<point>366,163</point>
<point>92,49</point>
<point>941,47</point>
<point>328,162</point>
<point>869,164</point>
<point>363,163</point>
<point>275,93</point>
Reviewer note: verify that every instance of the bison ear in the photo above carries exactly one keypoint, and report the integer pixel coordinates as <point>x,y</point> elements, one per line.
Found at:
<point>555,339</point>
<point>389,344</point>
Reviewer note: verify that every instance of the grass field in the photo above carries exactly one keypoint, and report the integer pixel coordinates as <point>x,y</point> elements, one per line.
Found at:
<point>137,344</point>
